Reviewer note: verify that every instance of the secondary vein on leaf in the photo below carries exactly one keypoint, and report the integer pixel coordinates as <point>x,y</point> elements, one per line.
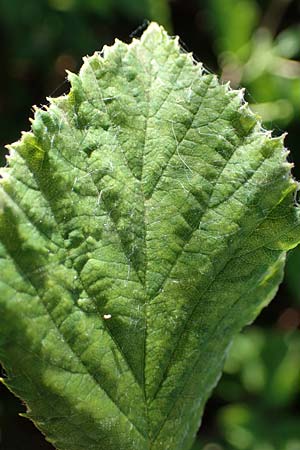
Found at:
<point>88,372</point>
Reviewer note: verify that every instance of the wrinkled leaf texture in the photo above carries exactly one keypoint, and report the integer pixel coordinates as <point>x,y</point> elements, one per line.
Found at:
<point>144,221</point>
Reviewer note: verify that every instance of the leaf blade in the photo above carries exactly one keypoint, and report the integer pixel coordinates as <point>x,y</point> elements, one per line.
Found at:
<point>144,222</point>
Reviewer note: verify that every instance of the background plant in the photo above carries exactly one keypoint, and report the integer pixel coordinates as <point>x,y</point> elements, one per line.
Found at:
<point>252,43</point>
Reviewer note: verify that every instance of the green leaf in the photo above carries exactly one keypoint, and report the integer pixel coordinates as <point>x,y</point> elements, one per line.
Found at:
<point>144,221</point>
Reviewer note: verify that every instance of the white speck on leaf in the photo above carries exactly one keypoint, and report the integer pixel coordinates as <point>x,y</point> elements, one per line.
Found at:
<point>107,316</point>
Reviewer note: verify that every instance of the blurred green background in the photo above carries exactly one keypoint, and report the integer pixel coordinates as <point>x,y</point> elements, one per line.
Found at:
<point>252,43</point>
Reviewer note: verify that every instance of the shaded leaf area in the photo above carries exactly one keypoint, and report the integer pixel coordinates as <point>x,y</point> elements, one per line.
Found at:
<point>144,221</point>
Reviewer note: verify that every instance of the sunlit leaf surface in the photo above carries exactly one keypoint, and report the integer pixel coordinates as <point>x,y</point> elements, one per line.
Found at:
<point>144,221</point>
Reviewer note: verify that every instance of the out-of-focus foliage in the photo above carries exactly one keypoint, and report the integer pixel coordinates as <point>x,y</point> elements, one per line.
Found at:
<point>254,43</point>
<point>253,53</point>
<point>233,23</point>
<point>260,384</point>
<point>269,373</point>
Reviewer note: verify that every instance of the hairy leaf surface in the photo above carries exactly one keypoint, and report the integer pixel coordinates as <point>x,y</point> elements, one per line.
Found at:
<point>144,221</point>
